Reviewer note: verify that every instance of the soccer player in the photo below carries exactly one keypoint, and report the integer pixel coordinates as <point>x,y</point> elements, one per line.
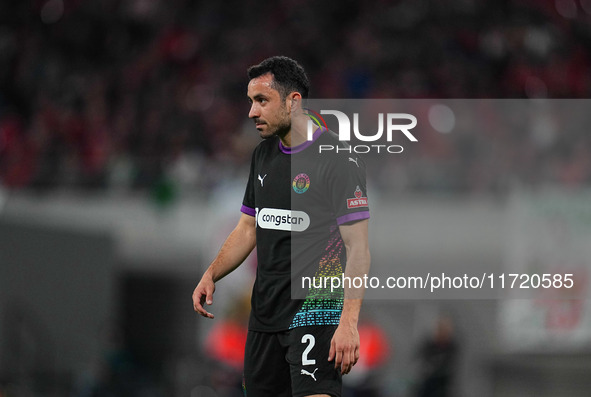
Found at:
<point>307,214</point>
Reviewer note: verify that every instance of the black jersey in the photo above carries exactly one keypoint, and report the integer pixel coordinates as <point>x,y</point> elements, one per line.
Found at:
<point>299,198</point>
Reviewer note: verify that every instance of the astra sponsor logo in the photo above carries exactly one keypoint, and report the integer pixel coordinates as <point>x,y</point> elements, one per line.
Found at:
<point>278,219</point>
<point>358,201</point>
<point>395,123</point>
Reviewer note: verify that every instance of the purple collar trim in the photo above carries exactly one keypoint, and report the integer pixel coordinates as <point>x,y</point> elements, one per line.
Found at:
<point>300,147</point>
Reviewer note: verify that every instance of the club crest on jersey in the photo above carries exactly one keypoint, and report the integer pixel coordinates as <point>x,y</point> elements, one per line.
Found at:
<point>301,183</point>
<point>358,201</point>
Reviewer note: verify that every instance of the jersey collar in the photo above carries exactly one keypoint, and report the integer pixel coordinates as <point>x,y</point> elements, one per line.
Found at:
<point>302,146</point>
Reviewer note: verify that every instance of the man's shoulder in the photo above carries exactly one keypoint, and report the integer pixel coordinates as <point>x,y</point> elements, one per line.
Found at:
<point>332,145</point>
<point>330,149</point>
<point>330,137</point>
<point>267,145</point>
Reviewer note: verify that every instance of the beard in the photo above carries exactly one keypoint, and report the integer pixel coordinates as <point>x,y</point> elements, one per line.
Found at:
<point>280,129</point>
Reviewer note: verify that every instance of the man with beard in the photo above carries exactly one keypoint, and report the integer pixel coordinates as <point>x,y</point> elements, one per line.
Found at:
<point>297,210</point>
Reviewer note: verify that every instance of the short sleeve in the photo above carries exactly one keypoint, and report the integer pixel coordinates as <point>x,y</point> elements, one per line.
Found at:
<point>348,188</point>
<point>248,203</point>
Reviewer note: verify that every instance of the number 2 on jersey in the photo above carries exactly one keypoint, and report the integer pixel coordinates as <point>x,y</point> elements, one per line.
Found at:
<point>308,338</point>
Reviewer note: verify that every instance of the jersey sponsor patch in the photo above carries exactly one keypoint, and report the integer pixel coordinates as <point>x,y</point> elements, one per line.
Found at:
<point>358,200</point>
<point>279,219</point>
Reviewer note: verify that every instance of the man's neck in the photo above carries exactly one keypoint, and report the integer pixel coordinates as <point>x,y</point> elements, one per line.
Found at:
<point>298,132</point>
<point>286,139</point>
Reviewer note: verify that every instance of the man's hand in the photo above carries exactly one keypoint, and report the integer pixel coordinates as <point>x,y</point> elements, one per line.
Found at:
<point>204,294</point>
<point>344,348</point>
<point>234,251</point>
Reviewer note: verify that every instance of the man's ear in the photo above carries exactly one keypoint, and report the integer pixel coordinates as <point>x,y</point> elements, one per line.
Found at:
<point>294,101</point>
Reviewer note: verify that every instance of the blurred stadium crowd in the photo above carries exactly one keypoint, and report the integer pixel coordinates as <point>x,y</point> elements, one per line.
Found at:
<point>111,94</point>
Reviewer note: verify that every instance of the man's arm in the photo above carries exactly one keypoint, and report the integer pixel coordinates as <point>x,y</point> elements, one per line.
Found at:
<point>344,347</point>
<point>234,251</point>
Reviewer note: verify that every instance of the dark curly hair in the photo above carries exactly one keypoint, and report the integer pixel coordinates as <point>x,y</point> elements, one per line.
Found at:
<point>288,75</point>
